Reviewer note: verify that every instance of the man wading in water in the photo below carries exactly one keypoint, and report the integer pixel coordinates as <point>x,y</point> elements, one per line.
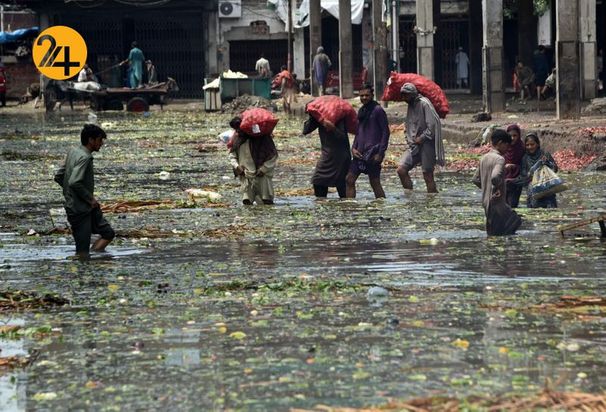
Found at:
<point>424,138</point>
<point>76,177</point>
<point>369,145</point>
<point>490,177</point>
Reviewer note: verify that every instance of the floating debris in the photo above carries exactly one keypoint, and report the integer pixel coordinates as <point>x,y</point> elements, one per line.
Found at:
<point>126,206</point>
<point>12,362</point>
<point>17,299</point>
<point>545,400</point>
<point>241,103</point>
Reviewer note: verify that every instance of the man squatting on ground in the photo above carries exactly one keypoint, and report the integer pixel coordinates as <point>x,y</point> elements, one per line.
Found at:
<point>76,177</point>
<point>424,138</point>
<point>501,219</point>
<point>369,145</point>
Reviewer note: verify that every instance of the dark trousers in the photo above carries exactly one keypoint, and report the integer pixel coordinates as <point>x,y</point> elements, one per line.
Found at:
<point>84,225</point>
<point>322,191</point>
<point>3,98</point>
<point>513,195</point>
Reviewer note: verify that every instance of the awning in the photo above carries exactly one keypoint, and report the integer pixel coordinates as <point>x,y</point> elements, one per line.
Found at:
<point>14,36</point>
<point>302,14</point>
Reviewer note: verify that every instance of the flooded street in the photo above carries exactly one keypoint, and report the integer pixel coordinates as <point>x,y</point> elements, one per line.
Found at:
<point>214,306</point>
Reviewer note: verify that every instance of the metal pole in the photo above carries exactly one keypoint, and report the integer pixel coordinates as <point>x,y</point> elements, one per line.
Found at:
<point>395,43</point>
<point>1,18</point>
<point>374,46</point>
<point>289,63</point>
<point>315,39</point>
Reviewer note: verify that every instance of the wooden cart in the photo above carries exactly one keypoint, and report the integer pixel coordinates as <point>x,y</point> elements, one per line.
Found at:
<point>113,98</point>
<point>136,100</point>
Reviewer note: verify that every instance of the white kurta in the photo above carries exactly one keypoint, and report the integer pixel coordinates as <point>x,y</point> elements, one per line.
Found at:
<point>251,185</point>
<point>462,62</point>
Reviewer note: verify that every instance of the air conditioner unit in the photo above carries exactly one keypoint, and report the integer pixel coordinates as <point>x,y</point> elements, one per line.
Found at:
<point>230,9</point>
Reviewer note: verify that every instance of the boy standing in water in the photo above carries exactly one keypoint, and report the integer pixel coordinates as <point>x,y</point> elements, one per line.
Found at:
<point>490,177</point>
<point>77,179</point>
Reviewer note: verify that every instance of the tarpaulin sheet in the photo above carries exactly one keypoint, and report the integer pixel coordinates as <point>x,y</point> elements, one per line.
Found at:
<point>13,36</point>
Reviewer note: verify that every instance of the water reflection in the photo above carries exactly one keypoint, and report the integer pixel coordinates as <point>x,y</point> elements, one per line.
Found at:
<point>182,347</point>
<point>13,383</point>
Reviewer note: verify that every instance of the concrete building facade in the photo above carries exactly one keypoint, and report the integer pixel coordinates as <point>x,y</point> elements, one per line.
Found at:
<point>193,40</point>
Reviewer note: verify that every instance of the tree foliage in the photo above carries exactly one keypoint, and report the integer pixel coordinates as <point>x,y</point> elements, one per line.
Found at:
<point>510,7</point>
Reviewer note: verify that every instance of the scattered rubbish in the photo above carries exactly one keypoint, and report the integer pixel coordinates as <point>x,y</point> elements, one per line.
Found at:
<point>197,194</point>
<point>432,242</point>
<point>599,219</point>
<point>544,400</point>
<point>246,101</point>
<point>18,299</point>
<point>226,135</point>
<point>481,117</point>
<point>12,362</point>
<point>377,292</point>
<point>126,206</point>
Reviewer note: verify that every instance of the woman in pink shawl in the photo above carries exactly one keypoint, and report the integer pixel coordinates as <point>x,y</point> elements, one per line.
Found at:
<point>513,159</point>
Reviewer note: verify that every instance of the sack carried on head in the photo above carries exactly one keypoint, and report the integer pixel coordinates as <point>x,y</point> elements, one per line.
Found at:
<point>334,109</point>
<point>426,87</point>
<point>258,122</point>
<point>545,182</point>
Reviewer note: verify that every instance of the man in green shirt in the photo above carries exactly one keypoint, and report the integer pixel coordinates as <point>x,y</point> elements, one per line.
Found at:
<point>76,177</point>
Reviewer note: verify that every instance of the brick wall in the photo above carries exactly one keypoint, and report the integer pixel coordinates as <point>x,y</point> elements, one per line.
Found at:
<point>20,76</point>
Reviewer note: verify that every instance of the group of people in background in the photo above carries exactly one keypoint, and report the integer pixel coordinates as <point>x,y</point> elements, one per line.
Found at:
<point>320,67</point>
<point>538,81</point>
<point>139,72</point>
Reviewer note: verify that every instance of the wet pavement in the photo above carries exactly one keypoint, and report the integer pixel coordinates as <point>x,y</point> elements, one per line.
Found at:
<point>221,306</point>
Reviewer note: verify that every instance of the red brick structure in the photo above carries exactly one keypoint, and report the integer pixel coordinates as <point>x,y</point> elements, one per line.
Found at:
<point>19,76</point>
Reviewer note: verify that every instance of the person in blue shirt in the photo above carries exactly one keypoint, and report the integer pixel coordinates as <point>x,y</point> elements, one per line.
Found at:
<point>135,61</point>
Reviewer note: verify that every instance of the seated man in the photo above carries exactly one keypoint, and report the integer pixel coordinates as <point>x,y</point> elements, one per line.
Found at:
<point>550,85</point>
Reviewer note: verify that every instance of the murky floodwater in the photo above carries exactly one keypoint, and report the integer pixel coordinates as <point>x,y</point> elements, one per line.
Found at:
<point>266,308</point>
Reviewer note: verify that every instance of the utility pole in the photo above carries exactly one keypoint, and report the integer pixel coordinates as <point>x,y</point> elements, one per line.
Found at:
<point>315,39</point>
<point>568,74</point>
<point>345,50</point>
<point>379,41</point>
<point>395,32</point>
<point>492,56</point>
<point>425,38</point>
<point>289,63</point>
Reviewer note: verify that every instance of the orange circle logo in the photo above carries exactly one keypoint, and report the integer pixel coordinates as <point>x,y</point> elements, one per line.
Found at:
<point>59,52</point>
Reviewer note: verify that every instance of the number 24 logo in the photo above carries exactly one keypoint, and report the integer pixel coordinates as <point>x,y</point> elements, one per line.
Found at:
<point>50,57</point>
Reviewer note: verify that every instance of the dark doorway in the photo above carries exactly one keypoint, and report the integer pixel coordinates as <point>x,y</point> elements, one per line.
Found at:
<point>243,54</point>
<point>408,45</point>
<point>452,33</point>
<point>173,41</point>
<point>330,42</point>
